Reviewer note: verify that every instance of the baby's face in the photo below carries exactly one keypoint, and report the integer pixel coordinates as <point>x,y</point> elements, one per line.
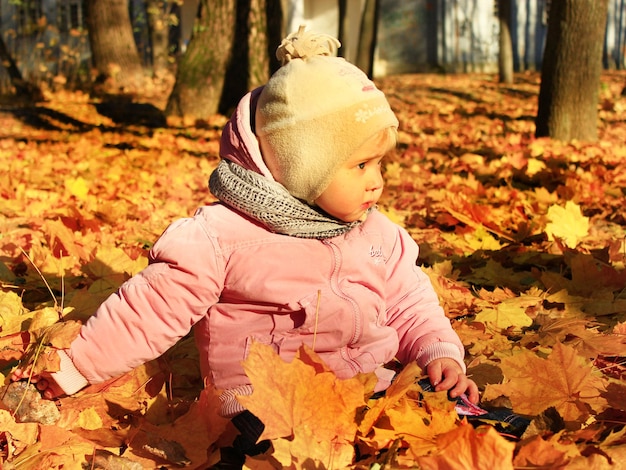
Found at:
<point>358,184</point>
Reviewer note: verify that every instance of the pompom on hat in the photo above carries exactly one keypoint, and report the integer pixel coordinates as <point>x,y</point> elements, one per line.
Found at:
<point>315,112</point>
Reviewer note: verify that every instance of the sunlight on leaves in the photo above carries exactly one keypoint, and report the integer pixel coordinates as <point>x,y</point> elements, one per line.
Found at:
<point>508,313</point>
<point>77,187</point>
<point>292,398</point>
<point>567,223</point>
<point>89,419</point>
<point>22,434</point>
<point>522,238</point>
<point>564,380</point>
<point>466,447</point>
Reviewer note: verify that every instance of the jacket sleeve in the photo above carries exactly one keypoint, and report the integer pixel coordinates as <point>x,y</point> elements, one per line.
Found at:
<point>414,310</point>
<point>155,308</point>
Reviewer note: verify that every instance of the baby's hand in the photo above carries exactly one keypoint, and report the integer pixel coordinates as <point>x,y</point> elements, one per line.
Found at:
<point>446,374</point>
<point>44,382</point>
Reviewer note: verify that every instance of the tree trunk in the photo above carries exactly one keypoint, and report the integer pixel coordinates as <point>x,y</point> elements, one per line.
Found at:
<point>343,26</point>
<point>22,88</point>
<point>367,37</point>
<point>275,31</point>
<point>505,52</point>
<point>251,63</point>
<point>201,71</point>
<point>159,26</point>
<point>572,65</point>
<point>258,57</point>
<point>113,49</point>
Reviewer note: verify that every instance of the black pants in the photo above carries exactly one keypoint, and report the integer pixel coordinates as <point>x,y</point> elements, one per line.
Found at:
<point>250,428</point>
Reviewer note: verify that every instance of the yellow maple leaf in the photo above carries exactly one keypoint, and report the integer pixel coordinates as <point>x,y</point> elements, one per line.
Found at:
<point>61,334</point>
<point>418,425</point>
<point>46,317</point>
<point>466,447</point>
<point>89,419</point>
<point>567,223</point>
<point>77,187</point>
<point>403,382</point>
<point>481,239</point>
<point>565,381</point>
<point>534,166</point>
<point>21,435</point>
<point>293,398</point>
<point>110,268</point>
<point>305,449</point>
<point>540,453</point>
<point>110,261</point>
<point>13,315</point>
<point>508,313</point>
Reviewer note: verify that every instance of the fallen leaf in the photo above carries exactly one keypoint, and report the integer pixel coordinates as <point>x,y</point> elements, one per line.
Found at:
<point>567,223</point>
<point>563,380</point>
<point>77,187</point>
<point>403,382</point>
<point>466,447</point>
<point>537,453</point>
<point>293,398</point>
<point>508,313</point>
<point>22,434</point>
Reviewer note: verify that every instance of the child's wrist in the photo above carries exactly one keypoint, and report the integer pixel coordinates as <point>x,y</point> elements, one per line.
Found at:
<point>68,378</point>
<point>440,350</point>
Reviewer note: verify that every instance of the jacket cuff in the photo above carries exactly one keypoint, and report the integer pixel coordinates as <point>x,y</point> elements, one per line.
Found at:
<point>230,406</point>
<point>68,378</point>
<point>439,350</point>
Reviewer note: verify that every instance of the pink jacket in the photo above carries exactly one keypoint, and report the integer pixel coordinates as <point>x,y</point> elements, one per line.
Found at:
<point>360,295</point>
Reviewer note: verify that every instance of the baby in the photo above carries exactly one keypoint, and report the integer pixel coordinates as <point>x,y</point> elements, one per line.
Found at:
<point>293,253</point>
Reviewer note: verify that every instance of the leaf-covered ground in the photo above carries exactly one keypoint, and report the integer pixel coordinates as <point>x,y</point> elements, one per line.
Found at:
<point>524,239</point>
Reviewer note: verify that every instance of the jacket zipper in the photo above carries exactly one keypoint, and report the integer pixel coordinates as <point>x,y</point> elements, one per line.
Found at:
<point>334,284</point>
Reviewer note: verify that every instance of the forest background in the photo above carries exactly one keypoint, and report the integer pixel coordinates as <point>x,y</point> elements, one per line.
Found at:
<point>523,236</point>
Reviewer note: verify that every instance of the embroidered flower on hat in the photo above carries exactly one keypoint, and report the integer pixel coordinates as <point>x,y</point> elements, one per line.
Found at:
<point>366,113</point>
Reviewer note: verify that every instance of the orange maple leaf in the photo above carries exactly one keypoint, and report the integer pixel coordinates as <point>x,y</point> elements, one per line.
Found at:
<point>305,450</point>
<point>565,380</point>
<point>12,347</point>
<point>64,242</point>
<point>537,453</point>
<point>573,332</point>
<point>416,424</point>
<point>292,399</point>
<point>404,381</point>
<point>21,434</point>
<point>465,447</point>
<point>590,275</point>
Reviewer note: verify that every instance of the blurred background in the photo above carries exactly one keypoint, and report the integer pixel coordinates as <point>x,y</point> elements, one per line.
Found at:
<point>49,40</point>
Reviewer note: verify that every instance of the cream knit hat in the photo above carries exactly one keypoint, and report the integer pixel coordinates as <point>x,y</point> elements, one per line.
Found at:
<point>315,112</point>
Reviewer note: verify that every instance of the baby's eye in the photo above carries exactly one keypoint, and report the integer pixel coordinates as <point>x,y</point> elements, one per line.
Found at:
<point>361,166</point>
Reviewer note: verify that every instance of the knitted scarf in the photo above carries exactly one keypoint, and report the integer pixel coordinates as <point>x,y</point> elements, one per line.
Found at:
<point>271,204</point>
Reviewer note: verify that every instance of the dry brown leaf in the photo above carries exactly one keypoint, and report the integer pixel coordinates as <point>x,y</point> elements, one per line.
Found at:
<point>537,453</point>
<point>563,380</point>
<point>21,435</point>
<point>466,447</point>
